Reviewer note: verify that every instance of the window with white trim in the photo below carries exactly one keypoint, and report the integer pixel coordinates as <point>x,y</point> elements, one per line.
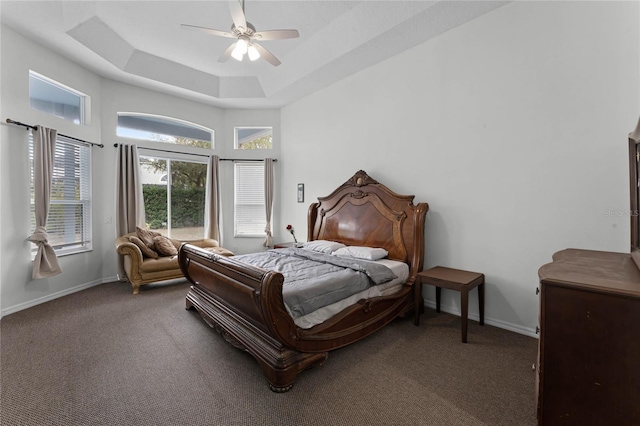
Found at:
<point>164,129</point>
<point>249,207</point>
<point>253,137</point>
<point>69,221</point>
<point>55,98</point>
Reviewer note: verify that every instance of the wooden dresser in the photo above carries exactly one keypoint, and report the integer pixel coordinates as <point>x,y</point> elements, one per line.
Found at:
<point>588,370</point>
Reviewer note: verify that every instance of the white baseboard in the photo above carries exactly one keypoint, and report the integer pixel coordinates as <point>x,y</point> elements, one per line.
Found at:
<point>49,297</point>
<point>516,328</point>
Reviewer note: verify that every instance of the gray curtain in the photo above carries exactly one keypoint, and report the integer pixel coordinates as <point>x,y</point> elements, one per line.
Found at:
<point>212,221</point>
<point>45,263</point>
<point>129,199</point>
<point>268,199</point>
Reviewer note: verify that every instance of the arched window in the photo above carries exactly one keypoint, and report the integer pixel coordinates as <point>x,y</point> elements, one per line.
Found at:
<point>164,129</point>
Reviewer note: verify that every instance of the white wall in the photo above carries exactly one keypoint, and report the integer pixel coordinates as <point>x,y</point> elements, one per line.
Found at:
<point>18,57</point>
<point>108,97</point>
<point>512,127</point>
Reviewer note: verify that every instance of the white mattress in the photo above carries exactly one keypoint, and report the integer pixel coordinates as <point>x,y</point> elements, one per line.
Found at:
<point>401,270</point>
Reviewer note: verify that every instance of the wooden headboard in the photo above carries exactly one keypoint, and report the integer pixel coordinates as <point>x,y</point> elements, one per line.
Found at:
<point>364,212</point>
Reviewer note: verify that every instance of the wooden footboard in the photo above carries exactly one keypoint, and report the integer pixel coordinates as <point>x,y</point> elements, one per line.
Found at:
<point>244,304</point>
<point>230,296</point>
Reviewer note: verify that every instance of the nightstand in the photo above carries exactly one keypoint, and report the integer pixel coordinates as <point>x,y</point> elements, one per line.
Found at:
<point>283,245</point>
<point>454,279</point>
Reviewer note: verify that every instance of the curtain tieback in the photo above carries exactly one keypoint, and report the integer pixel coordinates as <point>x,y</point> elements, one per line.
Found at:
<point>267,240</point>
<point>39,236</point>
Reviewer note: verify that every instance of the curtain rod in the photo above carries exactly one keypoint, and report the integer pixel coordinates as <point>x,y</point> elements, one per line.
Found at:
<point>29,126</point>
<point>199,155</point>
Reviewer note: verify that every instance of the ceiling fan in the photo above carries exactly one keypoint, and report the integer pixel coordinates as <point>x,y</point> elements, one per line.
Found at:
<point>246,36</point>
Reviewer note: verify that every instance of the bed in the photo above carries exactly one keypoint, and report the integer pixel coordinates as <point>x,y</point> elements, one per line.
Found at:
<point>245,303</point>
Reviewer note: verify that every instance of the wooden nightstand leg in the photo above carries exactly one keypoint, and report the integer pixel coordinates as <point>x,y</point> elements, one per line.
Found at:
<point>438,292</point>
<point>481,301</point>
<point>417,297</point>
<point>464,298</point>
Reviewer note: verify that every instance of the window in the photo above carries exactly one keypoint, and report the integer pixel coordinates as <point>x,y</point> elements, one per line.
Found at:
<point>69,220</point>
<point>49,96</point>
<point>253,137</point>
<point>163,129</point>
<point>174,196</point>
<point>249,199</point>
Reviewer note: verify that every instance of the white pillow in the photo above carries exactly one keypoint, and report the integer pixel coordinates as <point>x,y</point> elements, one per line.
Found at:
<point>368,253</point>
<point>323,246</point>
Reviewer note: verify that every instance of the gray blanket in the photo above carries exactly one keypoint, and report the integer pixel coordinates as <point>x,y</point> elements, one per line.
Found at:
<point>313,280</point>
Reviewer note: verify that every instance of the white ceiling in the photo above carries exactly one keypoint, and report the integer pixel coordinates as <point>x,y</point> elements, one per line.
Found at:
<point>142,42</point>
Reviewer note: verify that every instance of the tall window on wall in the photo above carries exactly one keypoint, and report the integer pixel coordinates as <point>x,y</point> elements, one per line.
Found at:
<point>69,220</point>
<point>173,184</point>
<point>249,199</point>
<point>164,129</point>
<point>55,98</point>
<point>174,195</point>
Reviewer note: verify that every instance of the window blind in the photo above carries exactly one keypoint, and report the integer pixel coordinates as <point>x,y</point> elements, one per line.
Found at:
<point>69,221</point>
<point>249,199</point>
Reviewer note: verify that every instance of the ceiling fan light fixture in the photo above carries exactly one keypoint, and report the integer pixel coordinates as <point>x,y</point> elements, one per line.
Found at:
<point>237,53</point>
<point>243,44</point>
<point>253,53</point>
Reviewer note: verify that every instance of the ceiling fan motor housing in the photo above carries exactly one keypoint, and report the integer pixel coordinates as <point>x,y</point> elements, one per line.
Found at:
<point>249,31</point>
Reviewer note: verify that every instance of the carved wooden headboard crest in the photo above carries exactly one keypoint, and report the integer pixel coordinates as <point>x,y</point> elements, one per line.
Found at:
<point>361,178</point>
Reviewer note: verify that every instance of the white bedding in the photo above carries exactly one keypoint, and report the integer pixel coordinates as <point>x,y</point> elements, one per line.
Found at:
<point>401,270</point>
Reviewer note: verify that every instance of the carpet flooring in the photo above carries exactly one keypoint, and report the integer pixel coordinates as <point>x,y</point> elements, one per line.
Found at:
<point>103,356</point>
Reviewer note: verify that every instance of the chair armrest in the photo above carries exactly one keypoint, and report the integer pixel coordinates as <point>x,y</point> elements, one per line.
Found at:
<point>202,242</point>
<point>125,247</point>
<point>210,245</point>
<point>206,242</point>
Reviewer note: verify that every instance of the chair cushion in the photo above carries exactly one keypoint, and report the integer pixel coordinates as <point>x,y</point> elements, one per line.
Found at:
<point>146,236</point>
<point>146,251</point>
<point>164,246</point>
<point>168,264</point>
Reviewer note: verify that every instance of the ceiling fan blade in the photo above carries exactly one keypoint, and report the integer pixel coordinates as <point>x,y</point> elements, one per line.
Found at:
<point>227,53</point>
<point>276,34</point>
<point>266,55</point>
<point>209,31</point>
<point>237,14</point>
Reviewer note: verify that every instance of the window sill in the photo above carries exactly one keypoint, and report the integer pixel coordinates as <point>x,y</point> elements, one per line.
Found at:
<point>64,253</point>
